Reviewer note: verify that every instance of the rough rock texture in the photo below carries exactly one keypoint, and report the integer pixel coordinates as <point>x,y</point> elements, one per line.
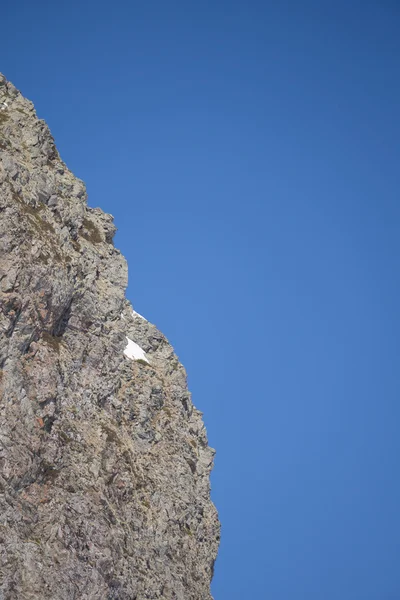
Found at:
<point>104,462</point>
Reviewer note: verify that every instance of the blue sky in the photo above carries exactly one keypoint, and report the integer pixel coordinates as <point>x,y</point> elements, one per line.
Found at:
<point>249,152</point>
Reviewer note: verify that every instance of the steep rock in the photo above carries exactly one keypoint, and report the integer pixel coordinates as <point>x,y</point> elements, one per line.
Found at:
<point>104,461</point>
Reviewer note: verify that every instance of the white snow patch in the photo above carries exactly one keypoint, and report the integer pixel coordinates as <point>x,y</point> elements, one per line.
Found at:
<point>136,314</point>
<point>135,352</point>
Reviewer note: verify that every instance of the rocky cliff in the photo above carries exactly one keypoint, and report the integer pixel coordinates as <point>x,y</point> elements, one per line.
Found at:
<point>104,461</point>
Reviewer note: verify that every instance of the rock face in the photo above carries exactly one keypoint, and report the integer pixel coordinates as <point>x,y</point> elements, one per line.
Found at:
<point>104,461</point>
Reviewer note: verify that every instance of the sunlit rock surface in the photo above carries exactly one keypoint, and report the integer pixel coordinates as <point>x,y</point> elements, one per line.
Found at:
<point>104,461</point>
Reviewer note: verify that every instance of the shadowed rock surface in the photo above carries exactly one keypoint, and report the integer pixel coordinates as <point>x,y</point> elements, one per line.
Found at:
<point>104,461</point>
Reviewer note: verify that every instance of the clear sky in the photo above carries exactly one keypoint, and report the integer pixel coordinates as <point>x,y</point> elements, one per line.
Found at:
<point>249,152</point>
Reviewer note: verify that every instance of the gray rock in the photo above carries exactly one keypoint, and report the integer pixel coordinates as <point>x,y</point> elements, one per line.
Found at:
<point>104,461</point>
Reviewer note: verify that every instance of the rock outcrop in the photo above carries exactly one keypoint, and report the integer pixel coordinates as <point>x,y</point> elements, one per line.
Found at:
<point>104,461</point>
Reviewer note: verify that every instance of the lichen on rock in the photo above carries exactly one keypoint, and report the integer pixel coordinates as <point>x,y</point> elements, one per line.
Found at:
<point>104,461</point>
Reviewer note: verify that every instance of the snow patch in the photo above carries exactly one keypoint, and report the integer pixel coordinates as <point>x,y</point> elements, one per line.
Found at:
<point>136,314</point>
<point>135,352</point>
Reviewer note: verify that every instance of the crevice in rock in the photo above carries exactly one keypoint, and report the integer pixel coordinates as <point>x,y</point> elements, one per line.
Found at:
<point>62,323</point>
